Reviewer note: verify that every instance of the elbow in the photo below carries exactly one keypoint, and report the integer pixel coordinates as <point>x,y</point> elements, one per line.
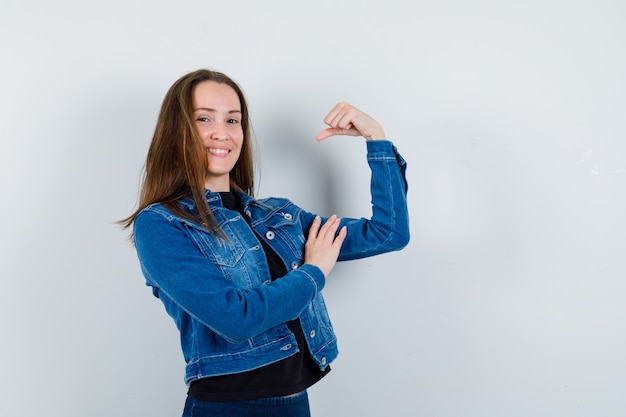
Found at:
<point>404,240</point>
<point>394,240</point>
<point>401,239</point>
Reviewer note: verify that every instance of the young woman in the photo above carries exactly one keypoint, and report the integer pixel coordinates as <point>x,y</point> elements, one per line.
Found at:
<point>242,277</point>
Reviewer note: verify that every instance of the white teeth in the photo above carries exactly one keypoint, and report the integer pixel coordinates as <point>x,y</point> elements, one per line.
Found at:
<point>218,151</point>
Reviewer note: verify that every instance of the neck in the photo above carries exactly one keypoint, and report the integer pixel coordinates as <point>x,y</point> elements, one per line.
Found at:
<point>217,186</point>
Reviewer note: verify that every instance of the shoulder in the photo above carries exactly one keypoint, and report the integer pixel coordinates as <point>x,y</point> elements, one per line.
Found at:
<point>158,216</point>
<point>157,208</point>
<point>151,216</point>
<point>155,212</point>
<point>273,202</point>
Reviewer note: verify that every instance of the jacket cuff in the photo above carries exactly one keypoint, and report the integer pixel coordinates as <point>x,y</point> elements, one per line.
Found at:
<point>383,149</point>
<point>379,145</point>
<point>314,274</point>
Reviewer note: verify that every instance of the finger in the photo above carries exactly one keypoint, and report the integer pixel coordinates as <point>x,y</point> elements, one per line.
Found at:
<point>315,227</point>
<point>338,108</point>
<point>326,225</point>
<point>340,236</point>
<point>323,230</point>
<point>349,118</point>
<point>343,117</point>
<point>329,230</point>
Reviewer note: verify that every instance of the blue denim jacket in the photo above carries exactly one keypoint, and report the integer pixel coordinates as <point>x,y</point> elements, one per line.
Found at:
<point>230,314</point>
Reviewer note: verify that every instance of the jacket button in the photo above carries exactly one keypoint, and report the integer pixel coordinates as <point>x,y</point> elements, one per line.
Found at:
<point>294,265</point>
<point>324,361</point>
<point>312,334</point>
<point>269,235</point>
<point>288,216</point>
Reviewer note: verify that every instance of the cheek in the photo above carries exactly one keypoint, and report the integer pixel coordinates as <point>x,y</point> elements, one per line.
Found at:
<point>239,150</point>
<point>204,135</point>
<point>239,139</point>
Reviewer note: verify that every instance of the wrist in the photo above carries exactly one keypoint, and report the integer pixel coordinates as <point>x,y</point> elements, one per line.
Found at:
<point>378,134</point>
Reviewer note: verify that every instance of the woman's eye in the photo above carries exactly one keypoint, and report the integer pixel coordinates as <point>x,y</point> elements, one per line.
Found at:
<point>233,121</point>
<point>203,119</point>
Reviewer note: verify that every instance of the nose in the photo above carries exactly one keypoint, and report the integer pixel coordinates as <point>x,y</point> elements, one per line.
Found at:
<point>219,132</point>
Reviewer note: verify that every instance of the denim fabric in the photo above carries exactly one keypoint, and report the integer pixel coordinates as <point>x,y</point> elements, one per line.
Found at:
<point>230,315</point>
<point>292,406</point>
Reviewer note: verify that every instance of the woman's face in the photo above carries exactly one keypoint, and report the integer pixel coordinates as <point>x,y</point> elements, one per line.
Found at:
<point>217,113</point>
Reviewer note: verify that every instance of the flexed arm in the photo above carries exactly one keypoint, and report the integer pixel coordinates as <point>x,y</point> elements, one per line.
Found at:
<point>388,228</point>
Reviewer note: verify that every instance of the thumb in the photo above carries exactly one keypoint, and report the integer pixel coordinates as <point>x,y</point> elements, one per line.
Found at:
<point>332,131</point>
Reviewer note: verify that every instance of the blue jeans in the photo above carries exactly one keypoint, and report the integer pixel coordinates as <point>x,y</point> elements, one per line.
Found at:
<point>292,406</point>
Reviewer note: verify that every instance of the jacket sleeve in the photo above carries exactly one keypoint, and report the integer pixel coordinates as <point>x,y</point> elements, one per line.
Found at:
<point>388,228</point>
<point>174,267</point>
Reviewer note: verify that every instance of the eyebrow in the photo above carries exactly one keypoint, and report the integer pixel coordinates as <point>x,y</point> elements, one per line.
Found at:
<point>213,110</point>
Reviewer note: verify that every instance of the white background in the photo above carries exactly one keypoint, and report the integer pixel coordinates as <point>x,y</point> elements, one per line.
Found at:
<point>509,300</point>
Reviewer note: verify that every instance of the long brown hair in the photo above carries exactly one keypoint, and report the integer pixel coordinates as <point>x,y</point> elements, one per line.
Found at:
<point>176,165</point>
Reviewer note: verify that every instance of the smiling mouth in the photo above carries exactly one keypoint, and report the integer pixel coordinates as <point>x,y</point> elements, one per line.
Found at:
<point>218,151</point>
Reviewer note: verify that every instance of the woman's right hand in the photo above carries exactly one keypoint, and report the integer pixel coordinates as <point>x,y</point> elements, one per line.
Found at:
<point>323,243</point>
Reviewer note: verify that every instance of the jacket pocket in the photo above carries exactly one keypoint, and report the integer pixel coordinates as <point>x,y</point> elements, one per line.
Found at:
<point>221,252</point>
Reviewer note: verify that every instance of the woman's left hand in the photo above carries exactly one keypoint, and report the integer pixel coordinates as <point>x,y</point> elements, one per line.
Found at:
<point>345,119</point>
